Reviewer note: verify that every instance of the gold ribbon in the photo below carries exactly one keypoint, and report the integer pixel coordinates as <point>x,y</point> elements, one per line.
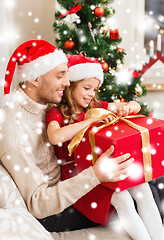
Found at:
<point>100,112</point>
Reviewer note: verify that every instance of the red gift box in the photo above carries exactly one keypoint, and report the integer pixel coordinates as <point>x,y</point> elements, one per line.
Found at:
<point>126,139</point>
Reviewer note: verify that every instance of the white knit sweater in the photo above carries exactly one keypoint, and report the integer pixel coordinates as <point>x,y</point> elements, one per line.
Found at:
<point>30,159</point>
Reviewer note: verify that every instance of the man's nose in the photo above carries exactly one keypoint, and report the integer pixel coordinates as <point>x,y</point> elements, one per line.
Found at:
<point>66,81</point>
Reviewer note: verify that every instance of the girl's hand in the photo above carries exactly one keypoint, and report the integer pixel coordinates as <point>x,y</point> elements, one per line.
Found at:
<point>129,108</point>
<point>107,119</point>
<point>103,119</point>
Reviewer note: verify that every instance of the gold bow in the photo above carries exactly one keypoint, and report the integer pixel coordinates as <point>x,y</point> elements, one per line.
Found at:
<point>100,112</point>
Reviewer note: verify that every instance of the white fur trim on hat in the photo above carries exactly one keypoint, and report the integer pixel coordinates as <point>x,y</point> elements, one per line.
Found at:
<point>40,66</point>
<point>84,71</point>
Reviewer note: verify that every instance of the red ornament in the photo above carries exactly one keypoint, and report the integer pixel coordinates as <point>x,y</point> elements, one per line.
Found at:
<point>114,34</point>
<point>122,99</point>
<point>135,74</point>
<point>120,50</point>
<point>104,66</point>
<point>99,12</point>
<point>69,44</point>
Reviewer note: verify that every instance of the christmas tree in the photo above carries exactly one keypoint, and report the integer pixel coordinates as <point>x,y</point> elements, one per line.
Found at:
<point>83,26</point>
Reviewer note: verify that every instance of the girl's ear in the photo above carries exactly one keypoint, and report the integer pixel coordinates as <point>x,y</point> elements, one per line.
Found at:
<point>35,82</point>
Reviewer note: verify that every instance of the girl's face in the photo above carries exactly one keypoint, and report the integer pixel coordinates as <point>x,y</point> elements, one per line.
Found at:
<point>84,92</point>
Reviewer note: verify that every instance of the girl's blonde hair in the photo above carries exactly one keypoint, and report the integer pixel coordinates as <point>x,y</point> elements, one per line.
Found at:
<point>68,106</point>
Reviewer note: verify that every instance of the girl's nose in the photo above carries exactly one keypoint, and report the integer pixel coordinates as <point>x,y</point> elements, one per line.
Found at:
<point>92,93</point>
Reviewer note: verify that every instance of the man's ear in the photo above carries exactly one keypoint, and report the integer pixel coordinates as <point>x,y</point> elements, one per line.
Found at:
<point>35,82</point>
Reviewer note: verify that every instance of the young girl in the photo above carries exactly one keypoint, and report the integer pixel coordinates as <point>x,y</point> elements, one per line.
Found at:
<point>66,120</point>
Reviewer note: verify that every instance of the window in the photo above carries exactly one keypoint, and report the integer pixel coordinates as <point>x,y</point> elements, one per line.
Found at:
<point>154,23</point>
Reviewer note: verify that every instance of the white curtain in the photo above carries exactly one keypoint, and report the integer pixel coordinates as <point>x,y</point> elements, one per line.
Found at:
<point>7,41</point>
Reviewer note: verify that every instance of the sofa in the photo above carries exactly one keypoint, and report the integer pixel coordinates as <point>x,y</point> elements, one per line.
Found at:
<point>17,223</point>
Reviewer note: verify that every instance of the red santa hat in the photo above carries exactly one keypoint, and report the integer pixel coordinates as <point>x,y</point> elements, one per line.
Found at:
<point>34,58</point>
<point>81,67</point>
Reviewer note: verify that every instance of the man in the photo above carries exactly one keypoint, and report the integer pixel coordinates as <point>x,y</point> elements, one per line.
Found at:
<point>24,148</point>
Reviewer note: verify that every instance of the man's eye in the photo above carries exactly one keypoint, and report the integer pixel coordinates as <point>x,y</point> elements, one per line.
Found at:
<point>59,77</point>
<point>86,88</point>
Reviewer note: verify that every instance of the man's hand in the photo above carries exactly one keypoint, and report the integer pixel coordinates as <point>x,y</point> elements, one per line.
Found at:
<point>108,169</point>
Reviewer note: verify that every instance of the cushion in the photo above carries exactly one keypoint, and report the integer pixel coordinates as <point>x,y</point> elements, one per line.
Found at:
<point>17,223</point>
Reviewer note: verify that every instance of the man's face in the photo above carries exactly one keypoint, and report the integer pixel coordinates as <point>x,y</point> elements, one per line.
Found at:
<point>52,84</point>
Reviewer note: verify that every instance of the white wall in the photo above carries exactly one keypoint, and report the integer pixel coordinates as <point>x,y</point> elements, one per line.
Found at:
<point>130,20</point>
<point>155,100</point>
<point>129,15</point>
<point>22,20</point>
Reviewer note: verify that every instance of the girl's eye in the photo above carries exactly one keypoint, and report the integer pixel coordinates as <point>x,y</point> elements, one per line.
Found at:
<point>86,88</point>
